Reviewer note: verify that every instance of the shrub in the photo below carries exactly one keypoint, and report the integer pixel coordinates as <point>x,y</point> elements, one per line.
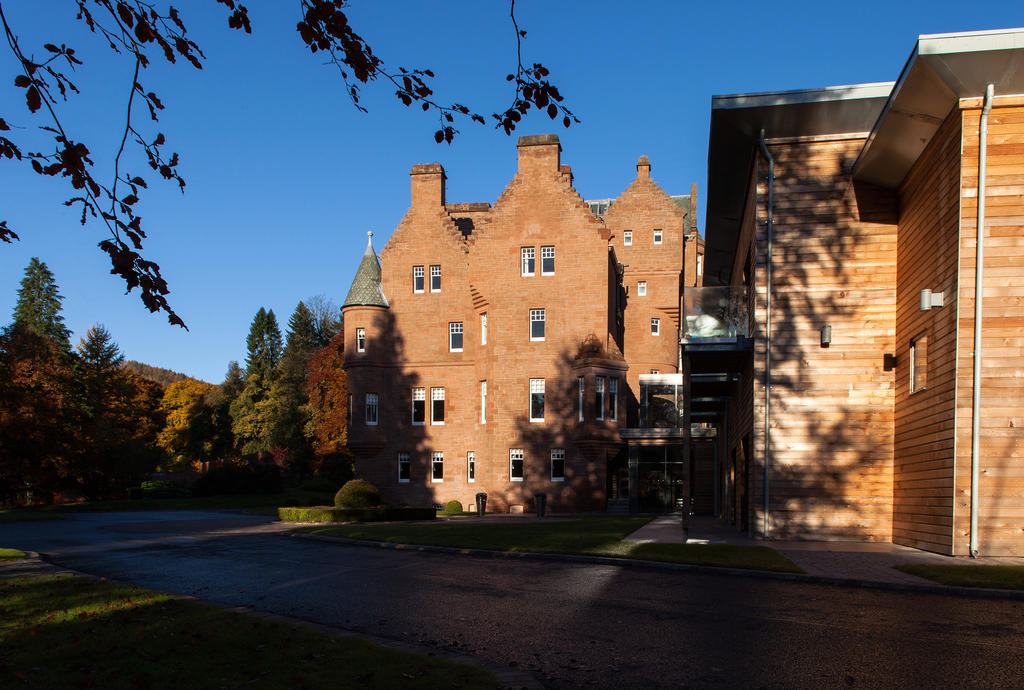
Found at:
<point>294,514</point>
<point>162,488</point>
<point>357,493</point>
<point>452,508</point>
<point>321,484</point>
<point>239,479</point>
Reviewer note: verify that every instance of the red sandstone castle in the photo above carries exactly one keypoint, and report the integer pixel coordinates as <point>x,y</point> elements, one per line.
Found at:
<point>500,349</point>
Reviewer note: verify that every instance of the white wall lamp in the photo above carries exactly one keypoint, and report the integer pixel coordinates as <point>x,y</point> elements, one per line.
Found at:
<point>930,299</point>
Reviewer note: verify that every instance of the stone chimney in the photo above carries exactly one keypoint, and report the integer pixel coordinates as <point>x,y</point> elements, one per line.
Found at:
<point>693,208</point>
<point>566,174</point>
<point>427,185</point>
<point>643,168</point>
<point>539,153</point>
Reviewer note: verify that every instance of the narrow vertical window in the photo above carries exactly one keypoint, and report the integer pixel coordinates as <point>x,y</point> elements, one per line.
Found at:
<point>471,466</point>
<point>437,466</point>
<point>558,464</point>
<point>700,263</point>
<point>404,468</point>
<point>417,279</point>
<point>515,464</point>
<point>627,238</point>
<point>657,236</point>
<point>455,336</point>
<point>579,402</point>
<point>918,363</point>
<point>483,402</point>
<point>419,406</point>
<point>599,397</point>
<point>641,288</point>
<point>537,318</point>
<point>371,408</point>
<point>437,405</point>
<point>360,340</point>
<point>547,261</point>
<point>483,328</point>
<point>655,326</point>
<point>528,255</point>
<point>536,400</point>
<point>613,399</point>
<point>435,279</point>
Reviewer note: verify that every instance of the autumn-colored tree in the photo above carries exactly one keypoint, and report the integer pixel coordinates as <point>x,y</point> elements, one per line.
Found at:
<point>187,435</point>
<point>328,405</point>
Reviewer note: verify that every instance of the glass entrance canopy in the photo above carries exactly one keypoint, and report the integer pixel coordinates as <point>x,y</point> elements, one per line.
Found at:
<point>661,401</point>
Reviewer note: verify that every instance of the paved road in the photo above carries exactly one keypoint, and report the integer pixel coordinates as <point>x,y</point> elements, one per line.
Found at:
<point>570,624</point>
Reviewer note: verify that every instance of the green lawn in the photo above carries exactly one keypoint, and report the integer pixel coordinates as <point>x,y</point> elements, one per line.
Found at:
<point>991,576</point>
<point>256,503</point>
<point>596,535</point>
<point>11,555</point>
<point>67,631</point>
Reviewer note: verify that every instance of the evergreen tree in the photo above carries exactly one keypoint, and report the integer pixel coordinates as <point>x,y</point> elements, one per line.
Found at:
<point>250,413</point>
<point>98,350</point>
<point>39,304</point>
<point>220,400</point>
<point>288,400</point>
<point>264,345</point>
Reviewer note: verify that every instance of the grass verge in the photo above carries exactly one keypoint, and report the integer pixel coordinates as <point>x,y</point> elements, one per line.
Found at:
<point>594,535</point>
<point>11,555</point>
<point>990,576</point>
<point>68,631</point>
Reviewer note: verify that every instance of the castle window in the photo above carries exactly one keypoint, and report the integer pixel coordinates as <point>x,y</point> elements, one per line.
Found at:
<point>579,402</point>
<point>529,260</point>
<point>641,288</point>
<point>537,324</point>
<point>558,464</point>
<point>536,400</point>
<point>547,261</point>
<point>371,409</point>
<point>483,402</point>
<point>435,279</point>
<point>657,236</point>
<point>437,466</point>
<point>599,397</point>
<point>483,328</point>
<point>437,405</point>
<point>419,406</point>
<point>655,326</point>
<point>627,238</point>
<point>471,466</point>
<point>404,468</point>
<point>455,336</point>
<point>360,340</point>
<point>417,279</point>
<point>700,263</point>
<point>613,395</point>
<point>515,464</point>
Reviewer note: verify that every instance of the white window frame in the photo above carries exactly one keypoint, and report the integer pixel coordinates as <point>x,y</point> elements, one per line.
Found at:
<point>545,254</point>
<point>418,274</point>
<point>360,340</point>
<point>419,395</point>
<point>483,328</point>
<point>537,386</point>
<point>483,402</point>
<point>657,236</point>
<point>655,326</point>
<point>543,314</point>
<point>455,329</point>
<point>435,272</point>
<point>641,288</point>
<point>580,384</point>
<point>528,261</point>
<point>627,238</point>
<point>613,398</point>
<point>372,403</point>
<point>437,394</point>
<point>599,398</point>
<point>437,462</point>
<point>470,466</point>
<point>557,453</point>
<point>403,458</point>
<point>513,455</point>
<point>700,263</point>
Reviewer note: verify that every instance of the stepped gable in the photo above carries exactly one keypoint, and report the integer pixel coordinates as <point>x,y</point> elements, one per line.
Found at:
<point>539,164</point>
<point>470,218</point>
<point>366,289</point>
<point>642,192</point>
<point>427,210</point>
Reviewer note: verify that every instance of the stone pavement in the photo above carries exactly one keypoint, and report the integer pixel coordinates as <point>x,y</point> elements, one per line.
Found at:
<point>843,560</point>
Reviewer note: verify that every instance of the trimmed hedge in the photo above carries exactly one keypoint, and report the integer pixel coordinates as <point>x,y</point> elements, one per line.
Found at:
<point>382,514</point>
<point>452,508</point>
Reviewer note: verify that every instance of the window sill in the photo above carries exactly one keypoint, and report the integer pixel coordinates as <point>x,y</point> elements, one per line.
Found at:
<point>437,423</point>
<point>558,479</point>
<point>548,274</point>
<point>516,479</point>
<point>436,481</point>
<point>471,481</point>
<point>453,350</point>
<point>536,340</point>
<point>371,424</point>
<point>417,423</point>
<point>403,481</point>
<point>536,421</point>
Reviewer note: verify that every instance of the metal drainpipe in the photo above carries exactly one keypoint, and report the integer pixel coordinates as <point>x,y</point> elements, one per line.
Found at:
<point>979,276</point>
<point>768,333</point>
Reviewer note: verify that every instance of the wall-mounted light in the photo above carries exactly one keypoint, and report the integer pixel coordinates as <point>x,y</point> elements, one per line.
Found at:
<point>930,299</point>
<point>826,335</point>
<point>888,362</point>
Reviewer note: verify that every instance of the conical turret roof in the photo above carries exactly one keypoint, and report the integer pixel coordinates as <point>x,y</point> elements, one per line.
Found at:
<point>366,289</point>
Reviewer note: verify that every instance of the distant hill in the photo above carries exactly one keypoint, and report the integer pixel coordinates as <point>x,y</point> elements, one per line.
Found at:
<point>157,374</point>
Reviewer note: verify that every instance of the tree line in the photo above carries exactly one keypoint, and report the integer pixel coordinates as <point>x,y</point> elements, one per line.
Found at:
<point>84,422</point>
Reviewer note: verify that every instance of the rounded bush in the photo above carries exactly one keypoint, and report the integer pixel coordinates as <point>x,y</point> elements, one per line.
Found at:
<point>453,508</point>
<point>357,493</point>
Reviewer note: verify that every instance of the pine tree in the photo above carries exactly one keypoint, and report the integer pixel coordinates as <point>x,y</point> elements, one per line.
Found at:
<point>99,351</point>
<point>250,411</point>
<point>288,400</point>
<point>264,345</point>
<point>220,400</point>
<point>39,304</point>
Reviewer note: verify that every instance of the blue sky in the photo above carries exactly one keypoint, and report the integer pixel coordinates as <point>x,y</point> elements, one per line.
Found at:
<point>285,176</point>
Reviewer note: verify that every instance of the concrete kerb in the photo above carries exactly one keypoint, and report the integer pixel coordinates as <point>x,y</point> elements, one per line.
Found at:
<point>35,563</point>
<point>969,592</point>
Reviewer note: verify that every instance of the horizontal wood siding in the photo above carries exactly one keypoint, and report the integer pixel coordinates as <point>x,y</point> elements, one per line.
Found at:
<point>927,252</point>
<point>830,469</point>
<point>1001,490</point>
